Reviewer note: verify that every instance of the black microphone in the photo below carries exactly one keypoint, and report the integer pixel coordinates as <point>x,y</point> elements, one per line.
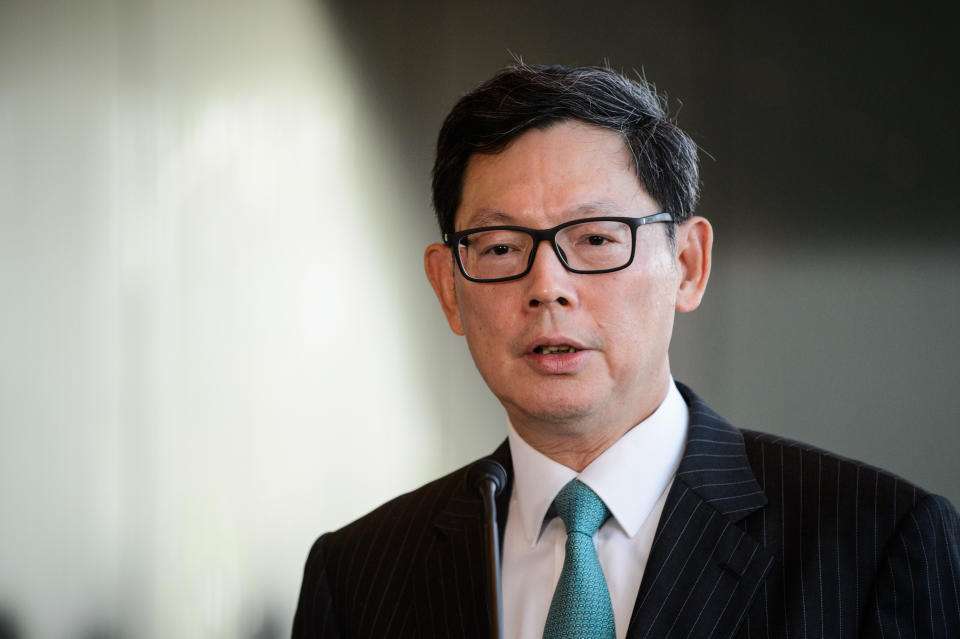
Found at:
<point>489,478</point>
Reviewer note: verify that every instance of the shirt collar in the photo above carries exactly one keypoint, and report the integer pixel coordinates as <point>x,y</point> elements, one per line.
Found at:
<point>629,476</point>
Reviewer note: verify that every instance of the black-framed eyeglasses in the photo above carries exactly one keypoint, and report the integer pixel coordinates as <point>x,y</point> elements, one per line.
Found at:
<point>588,245</point>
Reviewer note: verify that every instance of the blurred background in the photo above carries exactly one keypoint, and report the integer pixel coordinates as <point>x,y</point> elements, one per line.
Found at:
<point>216,341</point>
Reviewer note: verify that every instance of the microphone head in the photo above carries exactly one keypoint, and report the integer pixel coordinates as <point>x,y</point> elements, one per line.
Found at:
<point>487,469</point>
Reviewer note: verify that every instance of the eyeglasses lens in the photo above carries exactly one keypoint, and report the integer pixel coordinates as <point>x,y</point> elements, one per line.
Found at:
<point>598,245</point>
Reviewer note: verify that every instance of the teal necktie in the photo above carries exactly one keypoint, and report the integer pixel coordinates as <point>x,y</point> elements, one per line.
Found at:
<point>581,606</point>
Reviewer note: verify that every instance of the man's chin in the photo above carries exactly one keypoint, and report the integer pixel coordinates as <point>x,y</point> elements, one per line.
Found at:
<point>559,410</point>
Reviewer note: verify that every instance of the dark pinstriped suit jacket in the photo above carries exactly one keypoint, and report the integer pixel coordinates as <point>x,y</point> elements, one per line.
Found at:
<point>759,537</point>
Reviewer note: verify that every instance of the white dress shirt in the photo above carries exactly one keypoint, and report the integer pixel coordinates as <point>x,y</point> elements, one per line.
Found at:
<point>632,477</point>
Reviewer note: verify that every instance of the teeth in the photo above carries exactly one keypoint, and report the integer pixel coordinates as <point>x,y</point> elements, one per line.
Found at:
<point>549,350</point>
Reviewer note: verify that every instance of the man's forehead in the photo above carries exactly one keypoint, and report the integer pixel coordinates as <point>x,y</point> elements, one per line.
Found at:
<point>588,137</point>
<point>570,168</point>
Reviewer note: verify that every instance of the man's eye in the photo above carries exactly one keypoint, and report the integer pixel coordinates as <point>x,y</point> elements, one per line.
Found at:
<point>597,240</point>
<point>499,249</point>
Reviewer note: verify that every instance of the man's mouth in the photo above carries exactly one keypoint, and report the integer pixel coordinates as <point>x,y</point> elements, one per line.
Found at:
<point>559,348</point>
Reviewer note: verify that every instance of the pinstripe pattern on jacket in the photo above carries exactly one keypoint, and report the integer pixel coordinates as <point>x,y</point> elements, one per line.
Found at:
<point>760,537</point>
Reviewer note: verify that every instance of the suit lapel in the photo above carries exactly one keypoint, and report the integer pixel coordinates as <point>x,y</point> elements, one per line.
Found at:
<point>454,576</point>
<point>703,570</point>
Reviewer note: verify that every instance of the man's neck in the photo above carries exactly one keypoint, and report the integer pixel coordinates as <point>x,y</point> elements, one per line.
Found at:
<point>577,442</point>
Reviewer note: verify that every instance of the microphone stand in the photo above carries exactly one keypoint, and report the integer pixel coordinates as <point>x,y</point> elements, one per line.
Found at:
<point>488,477</point>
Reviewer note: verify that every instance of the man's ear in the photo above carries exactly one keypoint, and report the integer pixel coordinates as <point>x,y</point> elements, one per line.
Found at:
<point>694,247</point>
<point>439,266</point>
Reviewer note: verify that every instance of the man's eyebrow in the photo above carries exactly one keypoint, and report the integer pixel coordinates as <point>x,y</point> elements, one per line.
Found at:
<point>598,208</point>
<point>496,217</point>
<point>488,217</point>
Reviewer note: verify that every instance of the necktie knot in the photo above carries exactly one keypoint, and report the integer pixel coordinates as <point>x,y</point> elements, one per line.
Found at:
<point>580,508</point>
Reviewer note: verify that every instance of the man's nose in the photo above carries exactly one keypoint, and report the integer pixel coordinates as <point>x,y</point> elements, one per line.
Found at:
<point>548,281</point>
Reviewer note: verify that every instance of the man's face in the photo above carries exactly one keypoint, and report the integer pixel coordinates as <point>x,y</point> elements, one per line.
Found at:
<point>617,325</point>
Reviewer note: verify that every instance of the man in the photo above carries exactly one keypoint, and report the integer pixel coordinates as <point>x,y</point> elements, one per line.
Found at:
<point>565,197</point>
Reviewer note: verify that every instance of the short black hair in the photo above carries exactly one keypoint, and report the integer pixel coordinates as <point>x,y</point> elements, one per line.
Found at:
<point>522,97</point>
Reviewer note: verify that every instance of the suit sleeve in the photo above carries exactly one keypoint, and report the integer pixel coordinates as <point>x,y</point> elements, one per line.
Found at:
<point>315,618</point>
<point>916,592</point>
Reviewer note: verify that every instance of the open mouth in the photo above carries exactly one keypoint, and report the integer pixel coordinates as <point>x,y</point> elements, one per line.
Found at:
<point>551,350</point>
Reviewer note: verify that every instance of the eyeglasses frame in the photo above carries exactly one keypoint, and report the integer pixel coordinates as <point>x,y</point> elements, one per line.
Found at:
<point>550,235</point>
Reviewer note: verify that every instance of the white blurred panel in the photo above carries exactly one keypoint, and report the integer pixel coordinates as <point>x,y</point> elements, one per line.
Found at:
<point>206,359</point>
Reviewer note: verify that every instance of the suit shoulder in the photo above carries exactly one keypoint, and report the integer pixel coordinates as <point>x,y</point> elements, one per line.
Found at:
<point>374,557</point>
<point>795,464</point>
<point>410,512</point>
